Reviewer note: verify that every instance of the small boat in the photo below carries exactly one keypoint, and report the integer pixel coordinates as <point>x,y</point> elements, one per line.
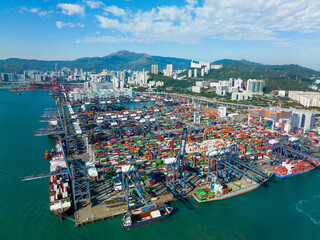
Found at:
<point>46,155</point>
<point>145,215</point>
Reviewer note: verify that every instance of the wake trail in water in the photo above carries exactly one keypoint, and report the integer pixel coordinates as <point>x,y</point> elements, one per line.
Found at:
<point>311,208</point>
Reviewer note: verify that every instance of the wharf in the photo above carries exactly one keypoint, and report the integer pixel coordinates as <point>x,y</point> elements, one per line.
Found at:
<point>102,208</point>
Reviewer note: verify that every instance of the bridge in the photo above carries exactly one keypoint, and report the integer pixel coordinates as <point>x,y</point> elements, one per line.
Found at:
<point>204,100</point>
<point>13,84</point>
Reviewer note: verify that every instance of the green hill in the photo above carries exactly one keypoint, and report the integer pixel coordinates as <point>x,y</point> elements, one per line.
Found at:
<point>115,61</point>
<point>277,77</point>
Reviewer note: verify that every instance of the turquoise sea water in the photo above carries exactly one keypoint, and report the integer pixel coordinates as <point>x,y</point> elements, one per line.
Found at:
<point>285,209</point>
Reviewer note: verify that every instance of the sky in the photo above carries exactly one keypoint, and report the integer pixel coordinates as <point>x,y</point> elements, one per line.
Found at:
<point>268,32</point>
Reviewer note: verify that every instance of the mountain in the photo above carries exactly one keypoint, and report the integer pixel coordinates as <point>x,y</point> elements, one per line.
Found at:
<point>249,62</point>
<point>284,77</point>
<point>246,69</point>
<point>277,77</point>
<point>115,61</point>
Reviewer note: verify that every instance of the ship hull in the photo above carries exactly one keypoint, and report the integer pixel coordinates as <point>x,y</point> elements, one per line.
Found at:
<point>145,222</point>
<point>233,194</point>
<point>228,195</point>
<point>62,214</point>
<point>292,174</point>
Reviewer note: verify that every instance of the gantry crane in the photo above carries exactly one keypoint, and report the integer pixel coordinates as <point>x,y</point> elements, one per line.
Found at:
<point>131,180</point>
<point>176,177</point>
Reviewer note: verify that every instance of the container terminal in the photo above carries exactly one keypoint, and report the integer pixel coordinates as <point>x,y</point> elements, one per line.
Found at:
<point>132,155</point>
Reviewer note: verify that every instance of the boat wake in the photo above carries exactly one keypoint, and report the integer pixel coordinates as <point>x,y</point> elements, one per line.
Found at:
<point>311,208</point>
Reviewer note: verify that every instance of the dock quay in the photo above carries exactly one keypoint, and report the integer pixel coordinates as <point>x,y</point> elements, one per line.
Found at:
<point>122,154</point>
<point>102,208</point>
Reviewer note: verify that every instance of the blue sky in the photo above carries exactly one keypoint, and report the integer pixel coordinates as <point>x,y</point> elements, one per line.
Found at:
<point>270,32</point>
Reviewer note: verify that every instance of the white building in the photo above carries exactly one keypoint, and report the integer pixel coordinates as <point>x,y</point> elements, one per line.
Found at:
<point>282,93</point>
<point>169,70</point>
<point>307,99</point>
<point>223,111</point>
<point>238,83</point>
<point>199,64</point>
<point>214,84</point>
<point>222,90</point>
<point>241,96</point>
<point>303,119</point>
<point>202,72</point>
<point>190,73</point>
<point>196,89</point>
<point>216,66</point>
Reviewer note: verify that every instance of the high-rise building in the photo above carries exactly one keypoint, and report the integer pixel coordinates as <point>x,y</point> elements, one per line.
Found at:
<point>169,69</point>
<point>238,83</point>
<point>190,73</point>
<point>303,119</point>
<point>144,77</point>
<point>195,72</point>
<point>231,82</point>
<point>254,85</point>
<point>154,69</point>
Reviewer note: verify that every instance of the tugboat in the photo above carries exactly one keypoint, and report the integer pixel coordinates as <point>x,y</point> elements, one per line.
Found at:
<point>46,155</point>
<point>145,215</point>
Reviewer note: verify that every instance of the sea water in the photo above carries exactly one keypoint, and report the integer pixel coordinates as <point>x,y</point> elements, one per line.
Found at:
<point>282,209</point>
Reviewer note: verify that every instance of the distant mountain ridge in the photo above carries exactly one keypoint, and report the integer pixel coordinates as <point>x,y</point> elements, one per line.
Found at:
<point>116,61</point>
<point>137,61</point>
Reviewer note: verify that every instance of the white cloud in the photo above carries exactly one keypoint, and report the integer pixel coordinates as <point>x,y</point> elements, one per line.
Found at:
<point>60,24</point>
<point>227,20</point>
<point>104,39</point>
<point>71,9</point>
<point>37,11</point>
<point>118,12</point>
<point>94,4</point>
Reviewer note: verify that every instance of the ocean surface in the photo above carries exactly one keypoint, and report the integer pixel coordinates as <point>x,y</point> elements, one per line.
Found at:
<point>283,209</point>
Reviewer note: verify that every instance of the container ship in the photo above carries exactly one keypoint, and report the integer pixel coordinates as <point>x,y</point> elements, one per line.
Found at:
<point>293,168</point>
<point>145,215</point>
<point>232,189</point>
<point>59,191</point>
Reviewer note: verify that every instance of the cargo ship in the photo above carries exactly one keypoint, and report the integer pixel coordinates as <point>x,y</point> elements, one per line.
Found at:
<point>232,189</point>
<point>59,190</point>
<point>294,168</point>
<point>145,215</point>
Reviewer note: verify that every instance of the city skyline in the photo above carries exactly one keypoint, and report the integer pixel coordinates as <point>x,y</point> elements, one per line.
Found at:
<point>265,32</point>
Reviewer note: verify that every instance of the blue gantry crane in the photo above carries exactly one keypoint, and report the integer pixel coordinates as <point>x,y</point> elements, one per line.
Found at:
<point>292,148</point>
<point>176,176</point>
<point>226,164</point>
<point>131,180</point>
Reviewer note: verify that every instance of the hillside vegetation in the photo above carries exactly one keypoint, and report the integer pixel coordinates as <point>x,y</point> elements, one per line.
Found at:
<point>116,61</point>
